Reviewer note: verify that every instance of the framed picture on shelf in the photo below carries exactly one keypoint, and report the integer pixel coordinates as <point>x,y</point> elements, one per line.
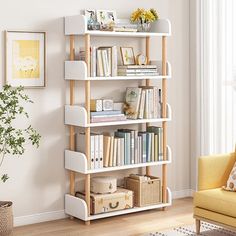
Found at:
<point>127,55</point>
<point>106,17</point>
<point>26,58</point>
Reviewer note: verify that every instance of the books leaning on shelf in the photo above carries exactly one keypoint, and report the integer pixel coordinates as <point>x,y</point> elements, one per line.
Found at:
<point>107,116</point>
<point>124,147</point>
<point>103,61</point>
<point>143,102</point>
<point>138,70</point>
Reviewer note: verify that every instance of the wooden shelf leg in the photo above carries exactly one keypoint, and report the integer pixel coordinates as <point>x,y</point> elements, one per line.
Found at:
<point>148,168</point>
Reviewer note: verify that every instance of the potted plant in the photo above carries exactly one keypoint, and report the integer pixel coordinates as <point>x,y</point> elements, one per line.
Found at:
<point>12,141</point>
<point>144,18</point>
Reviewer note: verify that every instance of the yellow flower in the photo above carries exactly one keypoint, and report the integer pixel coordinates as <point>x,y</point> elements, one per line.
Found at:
<point>137,15</point>
<point>143,16</point>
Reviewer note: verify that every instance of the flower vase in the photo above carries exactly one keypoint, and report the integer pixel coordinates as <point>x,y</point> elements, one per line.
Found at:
<point>144,27</point>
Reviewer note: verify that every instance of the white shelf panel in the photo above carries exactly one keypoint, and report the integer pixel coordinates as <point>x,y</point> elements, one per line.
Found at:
<point>77,70</point>
<point>77,116</point>
<point>77,25</point>
<point>77,207</point>
<point>76,161</point>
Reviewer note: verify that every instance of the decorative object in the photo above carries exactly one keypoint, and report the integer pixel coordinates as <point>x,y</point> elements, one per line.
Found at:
<point>13,139</point>
<point>127,55</point>
<point>102,203</point>
<point>106,18</point>
<point>103,184</point>
<point>6,218</point>
<point>91,19</point>
<point>141,59</point>
<point>231,183</point>
<point>107,104</point>
<point>207,230</point>
<point>25,58</point>
<point>144,18</point>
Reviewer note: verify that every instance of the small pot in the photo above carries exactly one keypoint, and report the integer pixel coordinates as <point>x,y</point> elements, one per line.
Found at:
<point>6,218</point>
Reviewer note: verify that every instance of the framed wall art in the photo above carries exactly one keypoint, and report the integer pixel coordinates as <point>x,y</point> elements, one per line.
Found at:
<point>26,59</point>
<point>127,55</point>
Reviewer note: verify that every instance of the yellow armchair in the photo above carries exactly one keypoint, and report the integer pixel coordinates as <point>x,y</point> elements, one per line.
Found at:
<point>211,203</point>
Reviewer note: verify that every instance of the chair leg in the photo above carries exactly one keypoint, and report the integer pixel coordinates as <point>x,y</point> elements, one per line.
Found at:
<point>198,226</point>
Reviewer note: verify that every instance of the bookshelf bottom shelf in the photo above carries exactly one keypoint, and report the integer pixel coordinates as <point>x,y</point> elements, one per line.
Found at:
<point>77,208</point>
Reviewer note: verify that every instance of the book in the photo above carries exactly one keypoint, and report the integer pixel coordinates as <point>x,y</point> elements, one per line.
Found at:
<point>150,104</point>
<point>137,66</point>
<point>105,113</point>
<point>111,152</point>
<point>122,151</point>
<point>110,118</point>
<point>132,98</point>
<point>80,147</point>
<point>97,152</point>
<point>137,74</point>
<point>93,64</point>
<point>143,136</point>
<point>114,61</point>
<point>141,106</point>
<point>100,138</point>
<point>146,107</point>
<point>148,146</point>
<point>114,152</point>
<point>100,71</point>
<point>156,158</point>
<point>127,147</point>
<point>105,62</point>
<point>118,157</point>
<point>136,147</point>
<point>106,149</point>
<point>140,149</point>
<point>152,147</point>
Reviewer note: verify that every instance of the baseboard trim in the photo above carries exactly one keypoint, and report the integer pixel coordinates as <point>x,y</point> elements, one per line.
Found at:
<point>57,215</point>
<point>182,193</point>
<point>38,218</point>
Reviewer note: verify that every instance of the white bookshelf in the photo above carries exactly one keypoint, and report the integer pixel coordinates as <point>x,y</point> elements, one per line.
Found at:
<point>77,115</point>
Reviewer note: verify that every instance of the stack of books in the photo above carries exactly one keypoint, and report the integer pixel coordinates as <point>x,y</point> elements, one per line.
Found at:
<point>128,147</point>
<point>138,70</point>
<point>124,147</point>
<point>107,116</point>
<point>103,61</point>
<point>144,102</point>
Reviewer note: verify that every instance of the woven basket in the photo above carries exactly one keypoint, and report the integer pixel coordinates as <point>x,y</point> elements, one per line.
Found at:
<point>6,218</point>
<point>145,193</point>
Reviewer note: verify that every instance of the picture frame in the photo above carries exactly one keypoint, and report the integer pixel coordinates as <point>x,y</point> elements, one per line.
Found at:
<point>127,55</point>
<point>106,17</point>
<point>25,56</point>
<point>90,15</point>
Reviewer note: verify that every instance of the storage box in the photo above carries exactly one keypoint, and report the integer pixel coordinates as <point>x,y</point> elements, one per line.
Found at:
<point>103,184</point>
<point>101,203</point>
<point>146,192</point>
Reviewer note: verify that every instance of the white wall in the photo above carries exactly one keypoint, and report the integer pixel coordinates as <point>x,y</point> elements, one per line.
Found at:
<point>38,181</point>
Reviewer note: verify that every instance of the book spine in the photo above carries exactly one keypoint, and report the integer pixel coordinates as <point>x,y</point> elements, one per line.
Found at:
<point>114,152</point>
<point>106,150</point>
<point>122,144</point>
<point>156,147</point>
<point>140,149</point>
<point>142,104</point>
<point>135,146</point>
<point>105,113</point>
<point>114,61</point>
<point>144,147</point>
<point>111,152</point>
<point>132,147</point>
<point>152,147</point>
<point>107,119</point>
<point>105,62</point>
<point>127,148</point>
<point>96,157</point>
<point>150,103</point>
<point>100,137</point>
<point>109,57</point>
<point>93,62</point>
<point>99,63</point>
<point>118,158</point>
<point>146,109</point>
<point>92,152</point>
<point>155,102</point>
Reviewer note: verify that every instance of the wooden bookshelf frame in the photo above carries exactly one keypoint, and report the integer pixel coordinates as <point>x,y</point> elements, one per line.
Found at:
<point>84,206</point>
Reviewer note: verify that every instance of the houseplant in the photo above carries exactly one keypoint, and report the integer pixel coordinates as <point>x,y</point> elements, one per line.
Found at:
<point>144,18</point>
<point>13,141</point>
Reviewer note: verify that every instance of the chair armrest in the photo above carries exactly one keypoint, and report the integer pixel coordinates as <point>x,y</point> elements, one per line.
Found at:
<point>213,171</point>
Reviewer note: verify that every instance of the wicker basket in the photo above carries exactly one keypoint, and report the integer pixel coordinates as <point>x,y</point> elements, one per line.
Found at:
<point>6,218</point>
<point>145,193</point>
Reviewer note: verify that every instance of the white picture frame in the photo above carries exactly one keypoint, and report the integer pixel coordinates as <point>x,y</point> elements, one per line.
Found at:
<point>25,59</point>
<point>90,15</point>
<point>105,17</point>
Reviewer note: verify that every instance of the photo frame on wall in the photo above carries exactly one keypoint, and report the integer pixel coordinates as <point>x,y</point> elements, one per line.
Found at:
<point>25,59</point>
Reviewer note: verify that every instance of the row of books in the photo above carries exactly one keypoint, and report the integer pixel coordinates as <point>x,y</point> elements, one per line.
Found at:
<point>144,102</point>
<point>107,116</point>
<point>124,147</point>
<point>103,61</point>
<point>138,70</point>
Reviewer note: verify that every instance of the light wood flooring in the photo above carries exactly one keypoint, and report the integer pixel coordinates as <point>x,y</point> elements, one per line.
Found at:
<point>132,224</point>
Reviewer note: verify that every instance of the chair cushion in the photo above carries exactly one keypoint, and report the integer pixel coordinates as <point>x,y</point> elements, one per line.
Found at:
<point>231,183</point>
<point>216,200</point>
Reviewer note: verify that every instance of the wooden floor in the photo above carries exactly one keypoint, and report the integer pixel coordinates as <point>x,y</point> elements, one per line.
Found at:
<point>132,224</point>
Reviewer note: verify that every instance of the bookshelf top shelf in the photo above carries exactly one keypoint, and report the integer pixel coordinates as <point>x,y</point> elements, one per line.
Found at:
<point>77,25</point>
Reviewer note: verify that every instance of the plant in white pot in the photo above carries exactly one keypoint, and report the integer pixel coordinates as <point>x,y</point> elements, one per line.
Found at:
<point>13,141</point>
